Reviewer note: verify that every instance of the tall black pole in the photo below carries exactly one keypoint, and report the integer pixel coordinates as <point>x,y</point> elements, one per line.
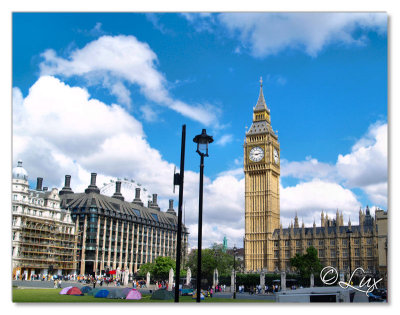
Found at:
<point>198,282</point>
<point>179,237</point>
<point>234,274</point>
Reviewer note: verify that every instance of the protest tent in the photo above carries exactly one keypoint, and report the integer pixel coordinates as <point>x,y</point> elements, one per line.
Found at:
<point>126,291</point>
<point>134,295</point>
<point>102,293</point>
<point>65,290</point>
<point>93,291</point>
<point>74,291</point>
<point>162,294</point>
<point>116,294</point>
<point>86,289</point>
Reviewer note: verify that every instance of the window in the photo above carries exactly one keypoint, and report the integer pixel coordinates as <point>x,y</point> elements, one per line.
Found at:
<point>333,242</point>
<point>287,243</point>
<point>15,208</point>
<point>356,252</point>
<point>276,243</point>
<point>155,216</point>
<point>34,212</point>
<point>344,252</point>
<point>356,241</point>
<point>298,243</point>
<point>309,243</point>
<point>287,253</point>
<point>137,212</point>
<point>40,213</point>
<point>369,251</point>
<point>344,242</point>
<point>321,242</point>
<point>321,253</point>
<point>15,197</point>
<point>333,253</point>
<point>369,241</point>
<point>276,253</point>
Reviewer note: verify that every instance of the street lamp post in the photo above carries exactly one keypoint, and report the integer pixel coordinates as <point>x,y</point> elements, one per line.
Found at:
<point>178,180</point>
<point>349,234</point>
<point>202,141</point>
<point>234,271</point>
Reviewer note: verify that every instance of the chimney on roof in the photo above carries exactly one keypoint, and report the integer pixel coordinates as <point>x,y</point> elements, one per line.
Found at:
<point>39,183</point>
<point>92,187</point>
<point>154,204</point>
<point>137,199</point>
<point>67,186</point>
<point>171,207</point>
<point>117,193</point>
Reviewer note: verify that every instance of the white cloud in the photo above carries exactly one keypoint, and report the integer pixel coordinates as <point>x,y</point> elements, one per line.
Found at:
<point>367,162</point>
<point>308,169</point>
<point>148,113</point>
<point>264,34</point>
<point>308,199</point>
<point>366,166</point>
<point>224,140</point>
<point>117,62</point>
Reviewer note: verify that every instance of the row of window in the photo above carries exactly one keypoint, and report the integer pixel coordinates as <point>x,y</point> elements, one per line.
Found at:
<point>321,253</point>
<point>356,241</point>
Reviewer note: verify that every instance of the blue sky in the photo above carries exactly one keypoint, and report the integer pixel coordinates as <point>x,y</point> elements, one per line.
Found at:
<point>108,93</point>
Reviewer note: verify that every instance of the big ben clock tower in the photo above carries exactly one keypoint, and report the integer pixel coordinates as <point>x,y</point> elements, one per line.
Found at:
<point>262,171</point>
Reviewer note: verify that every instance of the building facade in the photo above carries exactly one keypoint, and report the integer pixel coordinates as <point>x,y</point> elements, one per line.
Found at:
<point>43,234</point>
<point>116,234</point>
<point>268,246</point>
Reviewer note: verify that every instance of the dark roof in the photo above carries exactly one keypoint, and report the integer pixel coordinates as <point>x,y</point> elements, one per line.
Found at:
<point>321,230</point>
<point>121,209</point>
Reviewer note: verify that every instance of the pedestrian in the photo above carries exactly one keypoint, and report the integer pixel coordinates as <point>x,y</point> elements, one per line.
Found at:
<point>211,292</point>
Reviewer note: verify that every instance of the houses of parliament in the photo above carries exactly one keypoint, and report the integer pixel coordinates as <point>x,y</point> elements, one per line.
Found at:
<point>268,246</point>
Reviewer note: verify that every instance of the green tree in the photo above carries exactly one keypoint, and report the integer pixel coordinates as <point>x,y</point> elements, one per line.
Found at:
<point>308,263</point>
<point>211,258</point>
<point>162,266</point>
<point>145,268</point>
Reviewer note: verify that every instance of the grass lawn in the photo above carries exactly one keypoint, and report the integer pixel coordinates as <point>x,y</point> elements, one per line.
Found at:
<point>53,296</point>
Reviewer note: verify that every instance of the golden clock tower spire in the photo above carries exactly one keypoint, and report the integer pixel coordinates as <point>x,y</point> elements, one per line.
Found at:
<point>262,171</point>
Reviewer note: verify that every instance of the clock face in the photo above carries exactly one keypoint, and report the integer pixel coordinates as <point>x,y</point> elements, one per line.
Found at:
<point>256,154</point>
<point>276,156</point>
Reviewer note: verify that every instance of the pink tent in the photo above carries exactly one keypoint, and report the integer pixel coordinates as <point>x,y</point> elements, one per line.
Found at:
<point>134,295</point>
<point>65,290</point>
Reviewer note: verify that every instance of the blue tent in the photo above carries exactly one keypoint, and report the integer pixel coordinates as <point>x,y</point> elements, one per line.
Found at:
<point>102,294</point>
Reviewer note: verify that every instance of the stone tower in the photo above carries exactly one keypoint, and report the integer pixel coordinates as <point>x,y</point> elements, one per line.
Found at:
<point>262,171</point>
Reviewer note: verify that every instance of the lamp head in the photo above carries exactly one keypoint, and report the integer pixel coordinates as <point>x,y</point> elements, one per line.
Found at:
<point>202,141</point>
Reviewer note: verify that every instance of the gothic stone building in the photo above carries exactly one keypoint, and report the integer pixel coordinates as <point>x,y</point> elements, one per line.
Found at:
<point>267,245</point>
<point>114,233</point>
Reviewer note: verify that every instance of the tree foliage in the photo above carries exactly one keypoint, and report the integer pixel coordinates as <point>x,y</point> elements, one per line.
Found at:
<point>159,270</point>
<point>211,259</point>
<point>308,263</point>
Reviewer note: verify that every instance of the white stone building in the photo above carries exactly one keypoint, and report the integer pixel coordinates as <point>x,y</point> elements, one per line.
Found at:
<point>44,238</point>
